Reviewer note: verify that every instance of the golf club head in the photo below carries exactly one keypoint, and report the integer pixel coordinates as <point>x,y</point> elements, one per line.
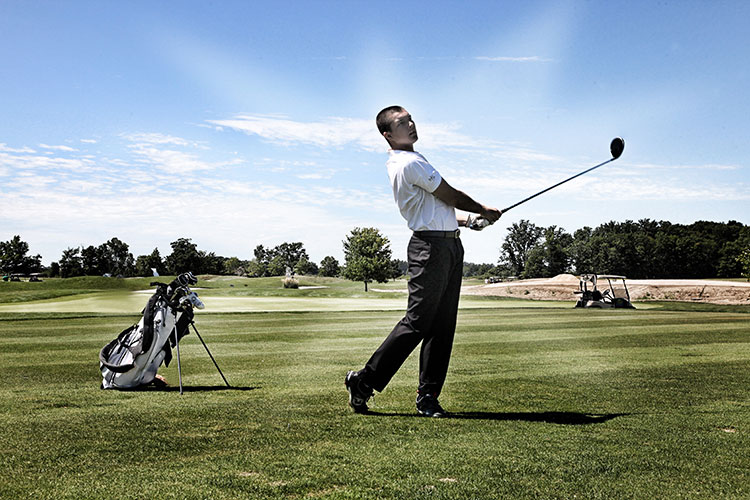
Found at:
<point>616,147</point>
<point>197,303</point>
<point>187,278</point>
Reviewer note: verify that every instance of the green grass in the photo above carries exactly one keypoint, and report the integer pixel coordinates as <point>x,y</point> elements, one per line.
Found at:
<point>549,403</point>
<point>52,288</point>
<point>215,286</point>
<point>221,294</point>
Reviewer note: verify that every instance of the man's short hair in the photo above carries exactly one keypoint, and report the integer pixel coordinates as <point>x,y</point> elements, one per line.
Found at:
<point>384,121</point>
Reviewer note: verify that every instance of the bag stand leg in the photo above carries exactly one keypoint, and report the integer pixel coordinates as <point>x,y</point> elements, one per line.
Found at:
<point>209,354</point>
<point>179,368</point>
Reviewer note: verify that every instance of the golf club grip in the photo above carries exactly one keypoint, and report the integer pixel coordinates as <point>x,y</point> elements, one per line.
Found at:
<point>558,184</point>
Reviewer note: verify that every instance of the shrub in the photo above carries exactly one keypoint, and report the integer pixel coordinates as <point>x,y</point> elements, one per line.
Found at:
<point>290,283</point>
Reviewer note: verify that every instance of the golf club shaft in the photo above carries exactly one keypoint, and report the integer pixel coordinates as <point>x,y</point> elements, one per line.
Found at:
<point>179,368</point>
<point>209,354</point>
<point>559,183</point>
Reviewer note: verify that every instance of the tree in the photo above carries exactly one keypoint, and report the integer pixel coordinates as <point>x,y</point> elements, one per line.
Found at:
<point>522,237</point>
<point>259,265</point>
<point>184,257</point>
<point>580,253</point>
<point>210,263</point>
<point>744,259</point>
<point>92,261</point>
<point>70,263</point>
<point>277,266</point>
<point>13,258</point>
<point>112,257</point>
<point>400,268</point>
<point>549,257</point>
<point>117,258</point>
<point>329,266</point>
<point>235,266</point>
<point>145,264</point>
<point>555,251</point>
<point>304,266</point>
<point>481,270</point>
<point>367,256</point>
<point>275,261</point>
<point>291,254</point>
<point>54,270</point>
<point>255,269</point>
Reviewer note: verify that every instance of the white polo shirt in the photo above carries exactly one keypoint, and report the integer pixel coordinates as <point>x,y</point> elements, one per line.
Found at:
<point>413,180</point>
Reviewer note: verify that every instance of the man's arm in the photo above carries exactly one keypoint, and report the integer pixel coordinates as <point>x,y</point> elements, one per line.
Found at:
<point>462,201</point>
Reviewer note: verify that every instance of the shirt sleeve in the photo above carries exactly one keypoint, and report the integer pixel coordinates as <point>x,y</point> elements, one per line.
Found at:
<point>422,174</point>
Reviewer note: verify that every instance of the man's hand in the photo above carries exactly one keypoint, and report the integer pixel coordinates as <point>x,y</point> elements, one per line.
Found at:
<point>462,201</point>
<point>491,214</point>
<point>476,222</point>
<point>479,222</point>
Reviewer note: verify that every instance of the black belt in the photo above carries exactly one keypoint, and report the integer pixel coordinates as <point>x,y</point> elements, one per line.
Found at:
<point>438,234</point>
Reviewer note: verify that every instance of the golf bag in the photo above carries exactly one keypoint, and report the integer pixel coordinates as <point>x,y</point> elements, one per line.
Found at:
<point>133,358</point>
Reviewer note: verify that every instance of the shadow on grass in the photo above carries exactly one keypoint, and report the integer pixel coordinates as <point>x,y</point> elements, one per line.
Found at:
<point>548,417</point>
<point>188,388</point>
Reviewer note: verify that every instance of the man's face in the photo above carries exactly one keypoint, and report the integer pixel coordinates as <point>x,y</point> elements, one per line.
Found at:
<point>403,133</point>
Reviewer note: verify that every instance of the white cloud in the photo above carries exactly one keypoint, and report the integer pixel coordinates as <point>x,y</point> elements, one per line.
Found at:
<point>6,149</point>
<point>331,133</point>
<point>89,141</point>
<point>664,189</point>
<point>513,59</point>
<point>337,132</point>
<point>57,148</point>
<point>67,199</point>
<point>145,139</point>
<point>708,166</point>
<point>174,162</point>
<point>24,162</point>
<point>149,149</point>
<point>212,214</point>
<point>316,176</point>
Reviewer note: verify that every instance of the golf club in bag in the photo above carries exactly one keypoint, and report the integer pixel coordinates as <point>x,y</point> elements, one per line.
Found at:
<point>133,358</point>
<point>616,147</point>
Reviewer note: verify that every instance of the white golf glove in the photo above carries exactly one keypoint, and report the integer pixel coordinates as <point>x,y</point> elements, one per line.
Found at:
<point>477,222</point>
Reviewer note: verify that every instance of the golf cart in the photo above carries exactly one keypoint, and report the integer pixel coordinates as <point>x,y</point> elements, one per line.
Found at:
<point>616,295</point>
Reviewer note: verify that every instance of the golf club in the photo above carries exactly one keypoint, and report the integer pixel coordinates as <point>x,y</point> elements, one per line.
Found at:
<point>616,147</point>
<point>179,367</point>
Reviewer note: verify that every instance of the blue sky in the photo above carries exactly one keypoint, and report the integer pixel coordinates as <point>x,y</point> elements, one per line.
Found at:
<point>244,123</point>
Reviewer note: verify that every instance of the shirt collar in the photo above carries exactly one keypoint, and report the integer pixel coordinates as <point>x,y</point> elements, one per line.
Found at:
<point>395,152</point>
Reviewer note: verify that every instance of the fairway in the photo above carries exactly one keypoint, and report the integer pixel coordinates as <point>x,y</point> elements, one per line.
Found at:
<point>132,303</point>
<point>548,403</point>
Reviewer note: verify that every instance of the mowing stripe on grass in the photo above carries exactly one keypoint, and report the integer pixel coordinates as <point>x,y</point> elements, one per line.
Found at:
<point>549,403</point>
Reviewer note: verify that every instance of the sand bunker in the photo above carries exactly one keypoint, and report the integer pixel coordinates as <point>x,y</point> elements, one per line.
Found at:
<point>563,286</point>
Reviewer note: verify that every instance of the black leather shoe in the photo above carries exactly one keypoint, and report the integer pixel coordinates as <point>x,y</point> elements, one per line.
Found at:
<point>428,406</point>
<point>359,392</point>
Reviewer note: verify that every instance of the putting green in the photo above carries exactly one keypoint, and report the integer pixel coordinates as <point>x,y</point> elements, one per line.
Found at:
<point>120,302</point>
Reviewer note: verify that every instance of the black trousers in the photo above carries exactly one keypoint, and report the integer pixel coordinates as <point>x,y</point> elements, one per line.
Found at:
<point>435,271</point>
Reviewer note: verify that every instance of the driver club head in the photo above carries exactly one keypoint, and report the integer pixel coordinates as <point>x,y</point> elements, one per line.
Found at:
<point>616,147</point>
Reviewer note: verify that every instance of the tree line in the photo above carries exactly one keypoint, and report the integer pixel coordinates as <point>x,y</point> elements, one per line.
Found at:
<point>642,249</point>
<point>367,253</point>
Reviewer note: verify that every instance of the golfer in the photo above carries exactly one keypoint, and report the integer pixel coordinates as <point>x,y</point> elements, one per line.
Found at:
<point>435,259</point>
